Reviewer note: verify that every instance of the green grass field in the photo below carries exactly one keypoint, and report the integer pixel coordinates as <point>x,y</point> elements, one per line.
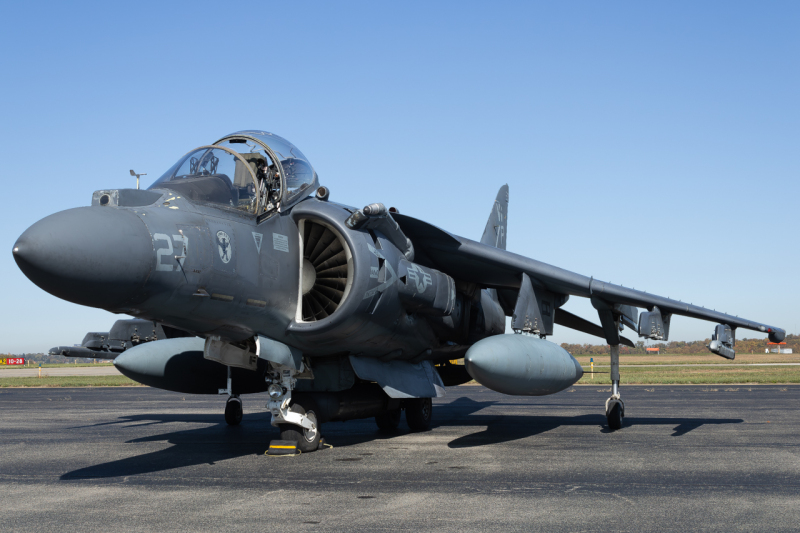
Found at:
<point>689,359</point>
<point>643,371</point>
<point>70,381</point>
<point>645,375</point>
<point>58,365</point>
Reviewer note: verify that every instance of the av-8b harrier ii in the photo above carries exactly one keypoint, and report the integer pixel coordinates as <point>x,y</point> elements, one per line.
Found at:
<point>244,277</point>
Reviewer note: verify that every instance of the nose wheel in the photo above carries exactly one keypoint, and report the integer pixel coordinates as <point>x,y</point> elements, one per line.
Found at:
<point>307,438</point>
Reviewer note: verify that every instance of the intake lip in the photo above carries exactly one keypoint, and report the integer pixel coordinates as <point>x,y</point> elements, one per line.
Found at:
<point>98,257</point>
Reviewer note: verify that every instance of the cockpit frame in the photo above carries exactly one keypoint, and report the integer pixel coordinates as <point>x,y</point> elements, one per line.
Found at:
<point>287,198</point>
<point>275,160</point>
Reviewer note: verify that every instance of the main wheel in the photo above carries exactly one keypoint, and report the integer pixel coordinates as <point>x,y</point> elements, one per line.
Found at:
<point>419,412</point>
<point>233,411</point>
<point>388,421</point>
<point>307,439</point>
<point>615,416</point>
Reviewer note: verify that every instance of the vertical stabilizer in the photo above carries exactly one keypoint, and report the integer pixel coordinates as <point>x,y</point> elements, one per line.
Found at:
<point>496,227</point>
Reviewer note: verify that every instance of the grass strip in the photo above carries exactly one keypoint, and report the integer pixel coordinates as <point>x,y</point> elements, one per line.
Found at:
<point>698,376</point>
<point>681,359</point>
<point>55,365</point>
<point>69,381</point>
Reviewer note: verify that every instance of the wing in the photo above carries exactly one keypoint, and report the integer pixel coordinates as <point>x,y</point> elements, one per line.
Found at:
<point>491,267</point>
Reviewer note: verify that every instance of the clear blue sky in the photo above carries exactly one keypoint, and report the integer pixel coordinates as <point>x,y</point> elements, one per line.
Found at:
<point>655,145</point>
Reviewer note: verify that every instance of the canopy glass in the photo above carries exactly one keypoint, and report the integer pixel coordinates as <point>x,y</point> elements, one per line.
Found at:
<point>253,171</point>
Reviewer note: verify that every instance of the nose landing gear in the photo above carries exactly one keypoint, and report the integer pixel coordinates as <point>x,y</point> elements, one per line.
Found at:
<point>615,408</point>
<point>233,411</point>
<point>296,424</point>
<point>233,407</point>
<point>307,438</point>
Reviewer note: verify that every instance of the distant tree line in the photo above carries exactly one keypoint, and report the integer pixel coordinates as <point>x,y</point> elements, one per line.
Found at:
<point>682,347</point>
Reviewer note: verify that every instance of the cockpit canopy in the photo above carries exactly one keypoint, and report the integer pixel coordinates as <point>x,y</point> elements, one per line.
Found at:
<point>252,171</point>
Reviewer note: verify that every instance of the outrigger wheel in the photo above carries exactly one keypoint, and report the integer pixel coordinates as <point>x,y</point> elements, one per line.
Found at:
<point>233,411</point>
<point>307,439</point>
<point>615,412</point>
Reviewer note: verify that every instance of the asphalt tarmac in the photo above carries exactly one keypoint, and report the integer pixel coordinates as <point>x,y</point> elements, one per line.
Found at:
<point>689,458</point>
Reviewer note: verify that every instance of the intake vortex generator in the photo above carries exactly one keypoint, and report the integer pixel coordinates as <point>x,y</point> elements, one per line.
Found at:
<point>326,271</point>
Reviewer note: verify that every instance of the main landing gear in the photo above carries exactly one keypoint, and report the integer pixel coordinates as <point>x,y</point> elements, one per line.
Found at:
<point>615,408</point>
<point>419,413</point>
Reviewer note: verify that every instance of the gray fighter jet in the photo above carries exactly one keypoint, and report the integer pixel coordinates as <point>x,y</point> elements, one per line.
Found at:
<point>244,277</point>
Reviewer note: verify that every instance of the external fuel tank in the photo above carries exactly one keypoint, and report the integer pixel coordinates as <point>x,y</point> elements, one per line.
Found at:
<point>521,365</point>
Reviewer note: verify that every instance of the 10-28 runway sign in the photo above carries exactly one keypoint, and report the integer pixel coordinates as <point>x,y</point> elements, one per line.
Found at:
<point>12,361</point>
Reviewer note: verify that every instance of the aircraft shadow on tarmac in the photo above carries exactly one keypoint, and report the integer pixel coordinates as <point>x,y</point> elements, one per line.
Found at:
<point>204,445</point>
<point>219,442</point>
<point>505,428</point>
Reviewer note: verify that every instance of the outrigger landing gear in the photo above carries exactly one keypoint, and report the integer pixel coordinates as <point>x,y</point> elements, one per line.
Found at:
<point>295,422</point>
<point>615,408</point>
<point>612,318</point>
<point>233,411</point>
<point>233,407</point>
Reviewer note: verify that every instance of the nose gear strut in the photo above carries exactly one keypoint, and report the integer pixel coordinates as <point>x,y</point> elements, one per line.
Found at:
<point>295,423</point>
<point>615,408</point>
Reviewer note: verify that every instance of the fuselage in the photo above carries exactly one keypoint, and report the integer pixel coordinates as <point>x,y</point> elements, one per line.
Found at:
<point>211,271</point>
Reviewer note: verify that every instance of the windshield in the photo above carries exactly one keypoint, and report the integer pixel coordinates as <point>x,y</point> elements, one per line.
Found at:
<point>214,175</point>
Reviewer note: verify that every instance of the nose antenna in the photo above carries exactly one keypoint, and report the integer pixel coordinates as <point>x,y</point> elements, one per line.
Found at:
<point>137,177</point>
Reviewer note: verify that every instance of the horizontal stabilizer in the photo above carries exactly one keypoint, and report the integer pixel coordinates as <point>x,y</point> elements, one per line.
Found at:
<point>568,320</point>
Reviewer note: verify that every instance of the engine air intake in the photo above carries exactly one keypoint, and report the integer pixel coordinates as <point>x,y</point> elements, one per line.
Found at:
<point>325,273</point>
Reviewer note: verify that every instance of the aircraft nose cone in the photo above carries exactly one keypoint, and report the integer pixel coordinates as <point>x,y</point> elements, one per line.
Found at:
<point>94,256</point>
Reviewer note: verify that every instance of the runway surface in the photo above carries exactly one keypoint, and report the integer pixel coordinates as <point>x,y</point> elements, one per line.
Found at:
<point>690,458</point>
